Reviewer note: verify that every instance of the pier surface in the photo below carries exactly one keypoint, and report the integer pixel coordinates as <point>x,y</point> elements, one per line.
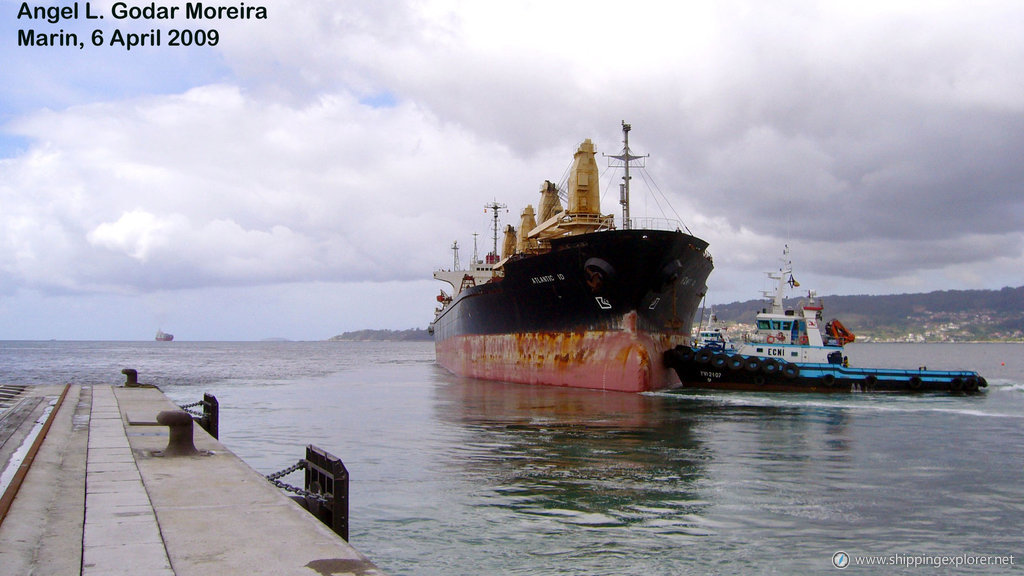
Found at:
<point>100,497</point>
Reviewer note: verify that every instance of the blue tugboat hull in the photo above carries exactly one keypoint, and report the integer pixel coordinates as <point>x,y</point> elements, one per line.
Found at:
<point>727,370</point>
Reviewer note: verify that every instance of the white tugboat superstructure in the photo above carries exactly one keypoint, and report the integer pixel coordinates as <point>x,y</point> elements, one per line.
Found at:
<point>795,335</point>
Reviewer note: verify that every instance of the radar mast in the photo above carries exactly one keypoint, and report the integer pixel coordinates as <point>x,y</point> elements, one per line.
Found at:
<point>627,158</point>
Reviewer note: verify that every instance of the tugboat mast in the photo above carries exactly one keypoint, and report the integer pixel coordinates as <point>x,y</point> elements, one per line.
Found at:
<point>626,158</point>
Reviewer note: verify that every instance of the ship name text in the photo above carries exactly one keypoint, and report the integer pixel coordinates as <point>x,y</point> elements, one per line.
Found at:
<point>546,278</point>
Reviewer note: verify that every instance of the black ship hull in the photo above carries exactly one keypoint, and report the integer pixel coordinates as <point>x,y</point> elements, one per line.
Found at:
<point>596,311</point>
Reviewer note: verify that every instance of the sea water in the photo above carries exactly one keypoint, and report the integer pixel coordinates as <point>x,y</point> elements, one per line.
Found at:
<point>455,476</point>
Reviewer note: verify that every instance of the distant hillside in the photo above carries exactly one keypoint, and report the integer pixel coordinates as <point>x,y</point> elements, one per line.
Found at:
<point>948,315</point>
<point>410,335</point>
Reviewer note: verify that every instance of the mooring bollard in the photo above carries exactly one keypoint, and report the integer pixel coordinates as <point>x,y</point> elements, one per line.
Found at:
<point>179,442</point>
<point>131,377</point>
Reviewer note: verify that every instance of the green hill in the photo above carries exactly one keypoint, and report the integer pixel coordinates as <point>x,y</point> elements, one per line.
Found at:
<point>410,335</point>
<point>942,316</point>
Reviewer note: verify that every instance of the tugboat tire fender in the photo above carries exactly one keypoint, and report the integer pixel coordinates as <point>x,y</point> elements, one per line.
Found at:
<point>915,383</point>
<point>956,385</point>
<point>971,385</point>
<point>719,360</point>
<point>829,380</point>
<point>736,363</point>
<point>790,371</point>
<point>704,356</point>
<point>752,364</point>
<point>770,367</point>
<point>685,354</point>
<point>759,380</point>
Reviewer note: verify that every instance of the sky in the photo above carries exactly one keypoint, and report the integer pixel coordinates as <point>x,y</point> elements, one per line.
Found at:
<point>305,176</point>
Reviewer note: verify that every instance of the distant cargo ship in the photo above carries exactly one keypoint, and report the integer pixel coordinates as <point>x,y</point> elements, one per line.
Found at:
<point>162,336</point>
<point>574,301</point>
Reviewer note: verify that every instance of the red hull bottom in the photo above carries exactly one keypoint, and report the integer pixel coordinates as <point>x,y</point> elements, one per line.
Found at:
<point>621,361</point>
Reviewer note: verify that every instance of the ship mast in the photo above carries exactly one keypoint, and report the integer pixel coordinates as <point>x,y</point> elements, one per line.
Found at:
<point>455,249</point>
<point>626,157</point>
<point>494,207</point>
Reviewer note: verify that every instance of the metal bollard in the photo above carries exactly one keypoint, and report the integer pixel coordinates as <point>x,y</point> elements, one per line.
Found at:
<point>131,377</point>
<point>180,441</point>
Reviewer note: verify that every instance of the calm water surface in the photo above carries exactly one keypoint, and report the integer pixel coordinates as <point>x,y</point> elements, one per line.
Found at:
<point>457,476</point>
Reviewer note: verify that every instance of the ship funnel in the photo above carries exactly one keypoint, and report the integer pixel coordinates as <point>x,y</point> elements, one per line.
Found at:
<point>584,195</point>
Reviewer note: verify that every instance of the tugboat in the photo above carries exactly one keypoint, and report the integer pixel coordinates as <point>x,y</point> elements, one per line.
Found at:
<point>789,351</point>
<point>162,336</point>
<point>574,300</point>
<point>713,337</point>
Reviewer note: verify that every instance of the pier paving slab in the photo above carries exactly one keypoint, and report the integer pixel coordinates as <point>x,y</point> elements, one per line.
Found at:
<point>42,533</point>
<point>102,500</point>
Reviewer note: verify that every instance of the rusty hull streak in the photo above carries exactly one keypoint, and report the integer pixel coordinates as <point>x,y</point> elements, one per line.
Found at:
<point>619,360</point>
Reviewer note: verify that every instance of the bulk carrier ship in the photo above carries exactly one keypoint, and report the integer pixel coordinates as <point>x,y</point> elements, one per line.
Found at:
<point>574,300</point>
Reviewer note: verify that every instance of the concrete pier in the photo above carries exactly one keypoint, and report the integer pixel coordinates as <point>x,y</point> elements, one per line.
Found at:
<point>102,498</point>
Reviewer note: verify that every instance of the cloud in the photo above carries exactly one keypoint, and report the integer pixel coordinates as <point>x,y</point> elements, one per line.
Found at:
<point>352,142</point>
<point>212,187</point>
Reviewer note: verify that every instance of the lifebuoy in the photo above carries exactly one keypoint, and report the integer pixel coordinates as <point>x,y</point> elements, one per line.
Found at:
<point>771,339</point>
<point>803,339</point>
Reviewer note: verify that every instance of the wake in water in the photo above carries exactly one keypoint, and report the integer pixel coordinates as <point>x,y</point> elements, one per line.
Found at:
<point>1002,398</point>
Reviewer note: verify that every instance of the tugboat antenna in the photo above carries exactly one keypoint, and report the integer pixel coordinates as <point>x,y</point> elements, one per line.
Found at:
<point>626,158</point>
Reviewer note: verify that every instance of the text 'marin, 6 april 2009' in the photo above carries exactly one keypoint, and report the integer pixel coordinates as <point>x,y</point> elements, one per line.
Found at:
<point>128,26</point>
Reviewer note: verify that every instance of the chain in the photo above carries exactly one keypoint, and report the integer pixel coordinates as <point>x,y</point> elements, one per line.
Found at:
<point>195,413</point>
<point>300,465</point>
